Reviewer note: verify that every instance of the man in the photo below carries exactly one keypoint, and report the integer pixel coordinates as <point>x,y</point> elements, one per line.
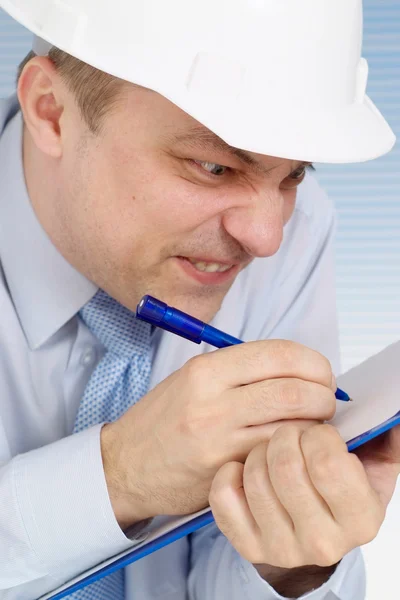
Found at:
<point>133,181</point>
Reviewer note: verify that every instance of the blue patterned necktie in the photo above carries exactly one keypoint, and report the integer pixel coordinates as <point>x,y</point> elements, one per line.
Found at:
<point>120,379</point>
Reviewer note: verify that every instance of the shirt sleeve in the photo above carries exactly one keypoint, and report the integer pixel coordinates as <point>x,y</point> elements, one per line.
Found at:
<point>56,519</point>
<point>218,571</point>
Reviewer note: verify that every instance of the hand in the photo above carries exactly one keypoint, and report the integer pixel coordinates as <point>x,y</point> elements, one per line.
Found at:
<point>303,499</point>
<point>162,455</point>
<point>381,461</point>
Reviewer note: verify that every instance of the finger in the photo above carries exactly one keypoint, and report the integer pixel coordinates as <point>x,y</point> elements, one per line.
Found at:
<point>244,440</point>
<point>232,514</point>
<point>281,399</point>
<point>277,529</point>
<point>342,482</point>
<point>255,361</point>
<point>289,476</point>
<point>319,536</point>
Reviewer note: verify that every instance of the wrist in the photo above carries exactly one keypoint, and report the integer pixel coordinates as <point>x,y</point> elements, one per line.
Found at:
<point>293,583</point>
<point>125,506</point>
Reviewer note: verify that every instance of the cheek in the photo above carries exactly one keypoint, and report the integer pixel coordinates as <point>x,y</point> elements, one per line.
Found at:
<point>289,205</point>
<point>175,206</point>
<point>140,215</point>
<point>147,192</point>
<point>140,204</point>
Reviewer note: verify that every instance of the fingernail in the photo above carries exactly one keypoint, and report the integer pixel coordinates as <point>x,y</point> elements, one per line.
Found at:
<point>334,384</point>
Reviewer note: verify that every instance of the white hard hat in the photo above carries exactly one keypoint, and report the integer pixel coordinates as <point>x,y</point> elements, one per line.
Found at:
<point>283,78</point>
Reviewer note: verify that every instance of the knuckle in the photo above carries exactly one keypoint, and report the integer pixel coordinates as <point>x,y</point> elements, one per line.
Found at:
<point>289,393</point>
<point>325,466</point>
<point>196,368</point>
<point>301,398</point>
<point>324,448</point>
<point>286,467</point>
<point>324,552</point>
<point>253,353</point>
<point>323,436</point>
<point>286,353</point>
<point>286,464</point>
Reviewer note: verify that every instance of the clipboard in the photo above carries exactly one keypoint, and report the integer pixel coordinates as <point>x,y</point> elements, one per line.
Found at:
<point>374,386</point>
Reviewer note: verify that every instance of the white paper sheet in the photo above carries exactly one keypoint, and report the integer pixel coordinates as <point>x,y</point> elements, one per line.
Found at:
<point>374,386</point>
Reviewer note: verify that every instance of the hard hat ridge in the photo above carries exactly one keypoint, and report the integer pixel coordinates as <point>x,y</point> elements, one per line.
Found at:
<point>40,47</point>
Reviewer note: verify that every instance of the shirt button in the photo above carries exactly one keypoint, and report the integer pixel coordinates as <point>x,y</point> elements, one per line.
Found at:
<point>88,357</point>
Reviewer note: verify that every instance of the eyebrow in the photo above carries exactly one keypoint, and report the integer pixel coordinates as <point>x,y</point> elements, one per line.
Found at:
<point>204,139</point>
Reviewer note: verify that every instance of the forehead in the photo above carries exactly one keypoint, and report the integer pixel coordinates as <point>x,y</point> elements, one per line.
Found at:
<point>176,129</point>
<point>198,137</point>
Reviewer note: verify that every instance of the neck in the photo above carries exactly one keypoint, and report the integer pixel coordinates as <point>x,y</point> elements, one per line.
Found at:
<point>43,190</point>
<point>38,177</point>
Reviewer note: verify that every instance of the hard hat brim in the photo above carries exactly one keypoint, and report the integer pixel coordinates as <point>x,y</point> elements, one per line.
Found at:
<point>358,133</point>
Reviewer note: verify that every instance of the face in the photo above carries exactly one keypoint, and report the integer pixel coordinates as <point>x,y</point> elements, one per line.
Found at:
<point>156,204</point>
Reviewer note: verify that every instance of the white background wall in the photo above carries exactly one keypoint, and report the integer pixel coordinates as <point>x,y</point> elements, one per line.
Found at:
<point>368,241</point>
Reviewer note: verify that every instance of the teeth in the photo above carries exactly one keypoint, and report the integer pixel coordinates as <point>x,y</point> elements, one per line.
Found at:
<point>210,267</point>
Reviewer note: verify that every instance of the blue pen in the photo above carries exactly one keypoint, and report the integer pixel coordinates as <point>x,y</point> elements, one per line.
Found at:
<point>161,315</point>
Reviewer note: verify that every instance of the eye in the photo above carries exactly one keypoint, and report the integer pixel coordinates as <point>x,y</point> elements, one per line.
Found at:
<point>296,177</point>
<point>212,168</point>
<point>298,174</point>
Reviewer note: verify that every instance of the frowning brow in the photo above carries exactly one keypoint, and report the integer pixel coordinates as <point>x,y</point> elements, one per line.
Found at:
<point>204,139</point>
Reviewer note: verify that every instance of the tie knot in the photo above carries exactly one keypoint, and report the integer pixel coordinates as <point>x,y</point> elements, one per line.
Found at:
<point>115,326</point>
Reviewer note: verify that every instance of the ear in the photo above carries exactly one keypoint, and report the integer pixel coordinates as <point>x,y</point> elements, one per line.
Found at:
<point>40,98</point>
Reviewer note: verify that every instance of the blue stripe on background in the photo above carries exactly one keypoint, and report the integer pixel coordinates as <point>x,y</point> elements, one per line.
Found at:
<point>367,196</point>
<point>15,43</point>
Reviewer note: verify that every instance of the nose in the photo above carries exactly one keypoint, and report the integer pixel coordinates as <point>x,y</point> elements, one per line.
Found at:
<point>257,223</point>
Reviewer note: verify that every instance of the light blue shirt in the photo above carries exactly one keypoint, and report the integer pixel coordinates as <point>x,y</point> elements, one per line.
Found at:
<point>56,519</point>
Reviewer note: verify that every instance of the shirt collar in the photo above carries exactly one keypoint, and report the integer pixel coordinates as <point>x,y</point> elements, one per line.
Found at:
<point>46,290</point>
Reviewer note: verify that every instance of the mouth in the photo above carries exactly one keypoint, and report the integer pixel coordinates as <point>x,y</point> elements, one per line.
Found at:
<point>208,272</point>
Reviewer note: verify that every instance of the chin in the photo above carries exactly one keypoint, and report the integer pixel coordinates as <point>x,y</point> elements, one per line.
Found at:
<point>203,307</point>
